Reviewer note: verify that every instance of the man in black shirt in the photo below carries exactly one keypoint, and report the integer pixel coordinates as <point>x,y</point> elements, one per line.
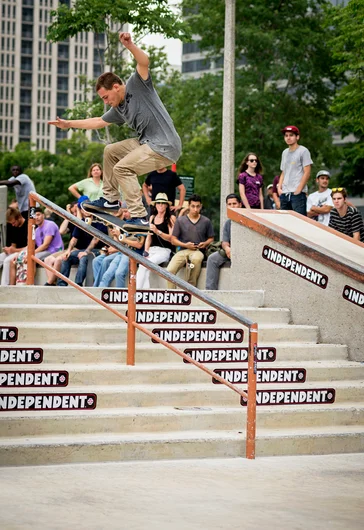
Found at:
<point>164,181</point>
<point>17,235</point>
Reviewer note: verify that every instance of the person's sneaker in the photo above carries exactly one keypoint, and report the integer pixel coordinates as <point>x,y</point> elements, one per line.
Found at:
<point>101,205</point>
<point>137,223</point>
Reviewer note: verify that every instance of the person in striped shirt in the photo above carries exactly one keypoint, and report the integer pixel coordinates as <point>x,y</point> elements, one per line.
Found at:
<point>344,218</point>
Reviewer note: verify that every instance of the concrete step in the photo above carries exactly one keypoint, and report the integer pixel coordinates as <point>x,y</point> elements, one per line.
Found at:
<point>163,419</point>
<point>182,395</point>
<point>73,353</point>
<point>51,332</point>
<point>63,295</point>
<point>175,445</point>
<point>95,313</point>
<point>150,374</point>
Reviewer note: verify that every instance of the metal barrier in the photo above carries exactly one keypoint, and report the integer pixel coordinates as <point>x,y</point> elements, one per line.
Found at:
<point>132,325</point>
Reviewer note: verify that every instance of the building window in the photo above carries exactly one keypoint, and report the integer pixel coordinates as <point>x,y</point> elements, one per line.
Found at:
<point>26,80</point>
<point>190,47</point>
<point>196,66</point>
<point>62,83</point>
<point>63,51</point>
<point>62,100</point>
<point>25,113</point>
<point>24,129</point>
<point>63,67</point>
<point>26,96</point>
<point>27,14</point>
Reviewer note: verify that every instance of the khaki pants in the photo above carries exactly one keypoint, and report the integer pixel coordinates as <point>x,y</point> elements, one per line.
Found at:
<point>179,260</point>
<point>123,162</point>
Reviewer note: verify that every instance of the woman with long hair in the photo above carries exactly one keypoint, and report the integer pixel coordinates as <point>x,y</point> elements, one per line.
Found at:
<point>250,182</point>
<point>158,245</point>
<point>90,186</point>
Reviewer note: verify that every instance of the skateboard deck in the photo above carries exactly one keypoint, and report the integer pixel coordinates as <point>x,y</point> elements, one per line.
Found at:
<point>112,221</point>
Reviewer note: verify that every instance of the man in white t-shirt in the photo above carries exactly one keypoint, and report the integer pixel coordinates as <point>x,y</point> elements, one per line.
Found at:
<point>320,203</point>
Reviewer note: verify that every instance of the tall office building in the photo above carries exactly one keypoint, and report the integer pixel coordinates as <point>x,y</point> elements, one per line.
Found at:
<point>39,80</point>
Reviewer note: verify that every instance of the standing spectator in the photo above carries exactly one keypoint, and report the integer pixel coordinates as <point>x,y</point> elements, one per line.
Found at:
<point>344,218</point>
<point>216,260</point>
<point>295,172</point>
<point>47,240</point>
<point>275,194</point>
<point>192,232</point>
<point>269,203</point>
<point>91,186</point>
<point>251,182</point>
<point>164,181</point>
<point>319,203</point>
<point>17,241</point>
<point>22,185</point>
<point>158,245</point>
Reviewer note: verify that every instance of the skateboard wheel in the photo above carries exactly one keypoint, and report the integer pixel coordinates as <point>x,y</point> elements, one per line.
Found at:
<point>88,220</point>
<point>121,237</point>
<point>191,265</point>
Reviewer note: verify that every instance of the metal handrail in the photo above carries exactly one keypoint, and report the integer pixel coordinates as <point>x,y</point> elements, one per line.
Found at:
<point>130,319</point>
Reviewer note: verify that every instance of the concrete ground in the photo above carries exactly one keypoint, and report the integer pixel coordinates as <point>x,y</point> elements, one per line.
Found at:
<point>308,492</point>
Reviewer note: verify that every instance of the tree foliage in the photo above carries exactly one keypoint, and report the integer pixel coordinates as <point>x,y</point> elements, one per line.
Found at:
<point>52,174</point>
<point>347,45</point>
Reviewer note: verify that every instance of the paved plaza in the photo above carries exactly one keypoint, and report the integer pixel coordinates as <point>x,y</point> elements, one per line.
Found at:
<point>285,493</point>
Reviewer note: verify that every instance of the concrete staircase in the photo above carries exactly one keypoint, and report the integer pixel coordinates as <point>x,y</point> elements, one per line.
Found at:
<point>163,408</point>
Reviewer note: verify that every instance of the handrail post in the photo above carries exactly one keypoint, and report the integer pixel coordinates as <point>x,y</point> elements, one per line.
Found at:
<point>31,242</point>
<point>130,352</point>
<point>252,392</point>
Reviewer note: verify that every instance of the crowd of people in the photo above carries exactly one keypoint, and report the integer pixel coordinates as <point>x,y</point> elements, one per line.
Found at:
<point>180,235</point>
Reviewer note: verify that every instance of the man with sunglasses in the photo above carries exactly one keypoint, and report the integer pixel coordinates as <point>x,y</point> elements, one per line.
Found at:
<point>295,172</point>
<point>319,203</point>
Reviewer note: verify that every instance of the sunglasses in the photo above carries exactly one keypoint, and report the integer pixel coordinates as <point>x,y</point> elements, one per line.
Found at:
<point>252,160</point>
<point>334,190</point>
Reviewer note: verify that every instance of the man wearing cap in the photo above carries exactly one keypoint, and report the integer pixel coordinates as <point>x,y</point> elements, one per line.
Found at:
<point>295,172</point>
<point>320,203</point>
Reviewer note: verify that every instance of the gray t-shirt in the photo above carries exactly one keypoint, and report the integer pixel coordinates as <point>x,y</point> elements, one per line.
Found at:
<point>292,165</point>
<point>186,231</point>
<point>144,112</point>
<point>22,191</point>
<point>226,231</point>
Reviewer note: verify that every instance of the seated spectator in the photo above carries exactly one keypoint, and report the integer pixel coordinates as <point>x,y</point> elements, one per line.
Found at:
<point>81,248</point>
<point>269,203</point>
<point>193,233</point>
<point>47,241</point>
<point>164,181</point>
<point>91,186</point>
<point>216,260</point>
<point>158,245</point>
<point>251,182</point>
<point>55,260</point>
<point>101,263</point>
<point>17,236</point>
<point>344,218</point>
<point>119,266</point>
<point>22,185</point>
<point>319,203</point>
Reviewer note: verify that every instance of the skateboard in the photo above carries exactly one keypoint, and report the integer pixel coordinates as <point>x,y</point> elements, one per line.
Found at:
<point>129,230</point>
<point>189,267</point>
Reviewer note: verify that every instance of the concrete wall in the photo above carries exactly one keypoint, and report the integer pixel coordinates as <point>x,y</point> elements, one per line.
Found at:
<point>339,320</point>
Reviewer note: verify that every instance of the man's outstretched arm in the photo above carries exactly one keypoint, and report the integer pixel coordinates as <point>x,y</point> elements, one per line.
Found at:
<point>88,123</point>
<point>140,56</point>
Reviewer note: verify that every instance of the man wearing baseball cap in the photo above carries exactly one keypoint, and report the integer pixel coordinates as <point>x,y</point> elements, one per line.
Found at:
<point>295,172</point>
<point>320,203</point>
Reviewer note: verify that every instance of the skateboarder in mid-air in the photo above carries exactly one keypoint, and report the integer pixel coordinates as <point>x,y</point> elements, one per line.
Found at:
<point>158,145</point>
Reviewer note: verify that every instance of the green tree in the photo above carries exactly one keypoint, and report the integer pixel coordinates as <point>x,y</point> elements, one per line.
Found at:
<point>52,174</point>
<point>284,74</point>
<point>347,46</point>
